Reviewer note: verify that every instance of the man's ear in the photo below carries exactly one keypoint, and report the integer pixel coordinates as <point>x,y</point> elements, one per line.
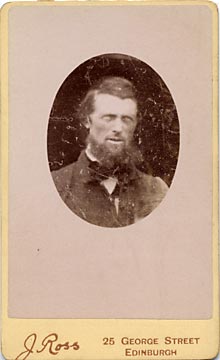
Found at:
<point>87,122</point>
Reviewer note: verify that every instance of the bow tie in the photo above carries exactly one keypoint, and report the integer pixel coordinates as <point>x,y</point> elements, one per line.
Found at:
<point>100,173</point>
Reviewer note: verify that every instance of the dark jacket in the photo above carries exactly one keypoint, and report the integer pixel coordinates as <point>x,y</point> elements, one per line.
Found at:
<point>80,188</point>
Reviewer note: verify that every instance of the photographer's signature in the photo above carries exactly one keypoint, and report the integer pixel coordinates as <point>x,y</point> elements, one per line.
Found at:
<point>50,343</point>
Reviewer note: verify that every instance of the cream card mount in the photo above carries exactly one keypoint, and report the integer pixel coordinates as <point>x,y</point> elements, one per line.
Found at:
<point>109,180</point>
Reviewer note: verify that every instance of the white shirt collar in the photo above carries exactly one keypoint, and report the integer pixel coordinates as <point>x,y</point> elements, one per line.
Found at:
<point>89,154</point>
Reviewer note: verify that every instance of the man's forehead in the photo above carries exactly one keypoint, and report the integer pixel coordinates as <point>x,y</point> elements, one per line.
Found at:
<point>112,103</point>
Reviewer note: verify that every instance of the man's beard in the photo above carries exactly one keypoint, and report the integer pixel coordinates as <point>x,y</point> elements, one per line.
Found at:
<point>114,159</point>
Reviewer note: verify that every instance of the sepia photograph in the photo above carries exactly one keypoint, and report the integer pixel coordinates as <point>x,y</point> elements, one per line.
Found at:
<point>113,140</point>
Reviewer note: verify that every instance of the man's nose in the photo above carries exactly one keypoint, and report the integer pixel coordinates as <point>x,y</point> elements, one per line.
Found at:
<point>118,124</point>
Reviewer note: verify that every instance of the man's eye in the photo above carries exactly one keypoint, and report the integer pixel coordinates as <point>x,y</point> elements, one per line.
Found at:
<point>127,119</point>
<point>108,118</point>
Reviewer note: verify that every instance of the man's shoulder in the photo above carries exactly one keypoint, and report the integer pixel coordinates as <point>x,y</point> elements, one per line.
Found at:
<point>152,183</point>
<point>63,177</point>
<point>150,191</point>
<point>64,172</point>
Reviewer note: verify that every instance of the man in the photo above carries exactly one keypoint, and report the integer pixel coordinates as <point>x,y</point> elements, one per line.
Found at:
<point>103,186</point>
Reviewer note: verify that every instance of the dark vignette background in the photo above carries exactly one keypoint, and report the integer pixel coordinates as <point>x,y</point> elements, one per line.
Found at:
<point>157,134</point>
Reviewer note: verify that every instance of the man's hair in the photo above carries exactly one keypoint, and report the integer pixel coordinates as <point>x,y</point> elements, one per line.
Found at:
<point>112,85</point>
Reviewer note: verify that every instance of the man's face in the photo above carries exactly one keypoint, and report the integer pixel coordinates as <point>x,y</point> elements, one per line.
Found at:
<point>112,124</point>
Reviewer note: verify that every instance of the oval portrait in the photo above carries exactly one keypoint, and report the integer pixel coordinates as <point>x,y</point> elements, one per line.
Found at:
<point>113,140</point>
